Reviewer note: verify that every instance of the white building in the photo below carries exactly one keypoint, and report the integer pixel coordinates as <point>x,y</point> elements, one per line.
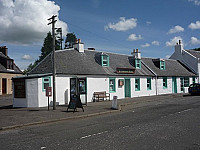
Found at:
<point>190,58</point>
<point>83,72</point>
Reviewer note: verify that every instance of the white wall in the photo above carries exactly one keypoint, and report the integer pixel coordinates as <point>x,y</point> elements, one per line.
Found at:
<point>143,87</point>
<point>32,92</point>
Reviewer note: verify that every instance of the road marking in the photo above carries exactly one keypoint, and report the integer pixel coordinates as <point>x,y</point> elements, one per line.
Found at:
<point>125,127</point>
<point>42,147</point>
<point>95,134</point>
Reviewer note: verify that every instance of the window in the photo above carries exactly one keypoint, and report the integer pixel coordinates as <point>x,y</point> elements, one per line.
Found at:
<point>46,82</point>
<point>162,65</point>
<point>9,64</point>
<point>112,85</point>
<point>148,83</point>
<point>186,82</point>
<point>105,60</point>
<point>137,84</point>
<point>182,84</point>
<point>193,80</point>
<point>164,82</point>
<point>137,63</point>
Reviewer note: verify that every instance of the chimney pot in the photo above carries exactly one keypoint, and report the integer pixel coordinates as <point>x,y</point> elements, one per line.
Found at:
<point>179,42</point>
<point>79,40</point>
<point>137,50</point>
<point>4,50</point>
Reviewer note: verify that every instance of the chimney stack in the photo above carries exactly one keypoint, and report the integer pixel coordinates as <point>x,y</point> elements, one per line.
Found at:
<point>79,46</point>
<point>179,47</point>
<point>4,50</point>
<point>136,54</point>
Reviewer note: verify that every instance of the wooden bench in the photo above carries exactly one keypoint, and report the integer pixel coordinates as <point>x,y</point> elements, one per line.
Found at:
<point>101,96</point>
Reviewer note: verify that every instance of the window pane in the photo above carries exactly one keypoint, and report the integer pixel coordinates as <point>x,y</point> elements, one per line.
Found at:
<point>186,82</point>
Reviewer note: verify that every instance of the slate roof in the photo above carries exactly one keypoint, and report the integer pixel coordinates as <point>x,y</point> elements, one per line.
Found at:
<point>3,69</point>
<point>194,53</point>
<point>71,62</point>
<point>88,63</point>
<point>173,68</point>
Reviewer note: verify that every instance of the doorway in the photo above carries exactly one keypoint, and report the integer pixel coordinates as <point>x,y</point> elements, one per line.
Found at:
<point>127,87</point>
<point>174,85</point>
<point>4,86</point>
<point>78,87</point>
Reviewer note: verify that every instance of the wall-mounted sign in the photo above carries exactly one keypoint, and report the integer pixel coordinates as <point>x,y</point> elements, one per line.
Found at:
<point>19,88</point>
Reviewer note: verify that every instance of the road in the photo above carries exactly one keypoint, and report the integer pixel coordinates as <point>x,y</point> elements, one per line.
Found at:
<point>169,124</point>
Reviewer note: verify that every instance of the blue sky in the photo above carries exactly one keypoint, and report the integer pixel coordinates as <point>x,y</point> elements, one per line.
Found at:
<point>152,26</point>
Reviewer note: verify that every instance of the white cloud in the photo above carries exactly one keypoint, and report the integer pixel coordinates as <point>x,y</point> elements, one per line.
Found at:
<point>122,25</point>
<point>155,43</point>
<point>196,2</point>
<point>145,45</point>
<point>134,37</point>
<point>194,25</point>
<point>25,21</point>
<point>173,41</point>
<point>176,29</point>
<point>27,57</point>
<point>194,41</point>
<point>148,22</point>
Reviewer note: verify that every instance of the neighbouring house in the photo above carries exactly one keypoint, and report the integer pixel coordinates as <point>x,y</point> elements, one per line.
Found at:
<point>190,58</point>
<point>8,70</point>
<point>83,72</point>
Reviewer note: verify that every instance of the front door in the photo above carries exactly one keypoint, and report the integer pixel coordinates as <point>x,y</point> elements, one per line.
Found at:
<point>127,87</point>
<point>78,88</point>
<point>4,85</point>
<point>174,85</point>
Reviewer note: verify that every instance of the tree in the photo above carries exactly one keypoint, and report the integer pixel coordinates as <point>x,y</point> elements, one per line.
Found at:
<point>45,50</point>
<point>70,40</point>
<point>197,49</point>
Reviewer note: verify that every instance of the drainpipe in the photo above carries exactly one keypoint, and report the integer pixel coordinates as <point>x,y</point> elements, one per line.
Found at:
<point>156,85</point>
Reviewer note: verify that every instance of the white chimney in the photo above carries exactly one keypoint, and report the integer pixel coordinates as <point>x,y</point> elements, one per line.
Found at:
<point>136,54</point>
<point>79,46</point>
<point>179,47</point>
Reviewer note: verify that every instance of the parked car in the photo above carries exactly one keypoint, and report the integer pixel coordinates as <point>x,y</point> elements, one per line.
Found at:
<point>194,88</point>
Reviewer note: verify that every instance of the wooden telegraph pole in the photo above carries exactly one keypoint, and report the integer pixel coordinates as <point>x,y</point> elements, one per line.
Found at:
<point>53,21</point>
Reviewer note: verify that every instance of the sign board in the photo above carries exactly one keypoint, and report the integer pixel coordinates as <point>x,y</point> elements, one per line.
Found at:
<point>74,103</point>
<point>49,91</point>
<point>19,88</point>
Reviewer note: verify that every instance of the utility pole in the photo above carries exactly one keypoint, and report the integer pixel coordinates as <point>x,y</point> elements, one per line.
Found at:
<point>53,21</point>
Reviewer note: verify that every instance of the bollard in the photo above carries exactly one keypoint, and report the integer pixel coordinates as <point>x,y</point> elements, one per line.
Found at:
<point>114,103</point>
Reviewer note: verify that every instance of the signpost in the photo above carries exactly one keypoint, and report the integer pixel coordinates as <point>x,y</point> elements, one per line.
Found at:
<point>48,94</point>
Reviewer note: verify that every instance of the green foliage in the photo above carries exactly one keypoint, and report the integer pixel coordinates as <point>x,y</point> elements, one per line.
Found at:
<point>70,40</point>
<point>45,50</point>
<point>197,49</point>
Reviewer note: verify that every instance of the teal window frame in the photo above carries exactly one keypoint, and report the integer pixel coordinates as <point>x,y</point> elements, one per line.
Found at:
<point>112,85</point>
<point>186,81</point>
<point>105,60</point>
<point>182,84</point>
<point>162,65</point>
<point>138,63</point>
<point>137,84</point>
<point>164,82</point>
<point>193,80</point>
<point>45,82</point>
<point>148,83</point>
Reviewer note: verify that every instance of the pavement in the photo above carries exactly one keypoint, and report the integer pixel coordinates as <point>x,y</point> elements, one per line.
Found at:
<point>11,118</point>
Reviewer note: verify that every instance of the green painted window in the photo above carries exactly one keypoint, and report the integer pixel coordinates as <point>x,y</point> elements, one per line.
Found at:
<point>186,82</point>
<point>164,82</point>
<point>137,63</point>
<point>193,80</point>
<point>105,60</point>
<point>137,84</point>
<point>182,84</point>
<point>46,82</point>
<point>148,83</point>
<point>162,65</point>
<point>112,85</point>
